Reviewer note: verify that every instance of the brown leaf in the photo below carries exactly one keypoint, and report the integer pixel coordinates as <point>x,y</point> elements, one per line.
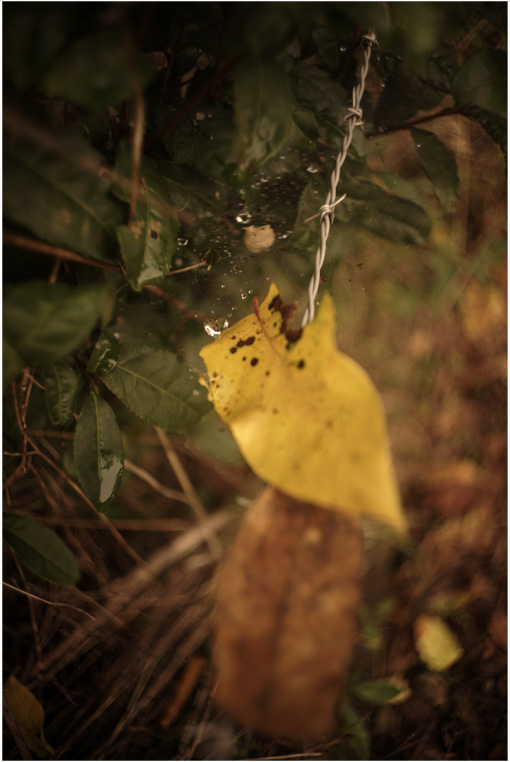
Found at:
<point>287,597</point>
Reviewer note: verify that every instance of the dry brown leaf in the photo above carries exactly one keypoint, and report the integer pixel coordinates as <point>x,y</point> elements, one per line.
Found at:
<point>189,679</point>
<point>287,596</point>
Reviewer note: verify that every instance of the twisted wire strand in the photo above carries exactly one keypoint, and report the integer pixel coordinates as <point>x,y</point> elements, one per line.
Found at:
<point>354,118</point>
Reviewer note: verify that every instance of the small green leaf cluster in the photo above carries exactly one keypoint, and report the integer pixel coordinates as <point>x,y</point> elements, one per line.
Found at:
<point>141,139</point>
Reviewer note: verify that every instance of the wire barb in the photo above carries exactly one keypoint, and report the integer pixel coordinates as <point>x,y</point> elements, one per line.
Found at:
<point>353,118</point>
<point>325,209</point>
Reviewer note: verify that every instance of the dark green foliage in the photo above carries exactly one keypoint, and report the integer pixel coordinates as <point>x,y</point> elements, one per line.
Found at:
<point>98,451</point>
<point>149,243</point>
<point>243,110</point>
<point>52,188</point>
<point>41,550</point>
<point>154,385</point>
<point>46,321</point>
<point>62,384</point>
<point>439,165</point>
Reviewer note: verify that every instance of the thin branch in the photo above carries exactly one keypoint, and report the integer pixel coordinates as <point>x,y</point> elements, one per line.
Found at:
<point>139,129</point>
<point>149,525</point>
<point>172,494</point>
<point>22,242</point>
<point>186,313</point>
<point>188,488</point>
<point>31,611</point>
<point>450,111</point>
<point>49,603</point>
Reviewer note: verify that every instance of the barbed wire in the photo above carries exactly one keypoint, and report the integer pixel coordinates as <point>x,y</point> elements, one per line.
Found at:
<point>354,118</point>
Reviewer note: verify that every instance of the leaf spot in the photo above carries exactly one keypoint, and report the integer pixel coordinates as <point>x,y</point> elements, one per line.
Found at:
<point>254,361</point>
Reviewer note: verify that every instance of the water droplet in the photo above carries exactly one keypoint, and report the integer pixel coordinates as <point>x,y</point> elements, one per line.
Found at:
<point>243,217</point>
<point>195,392</point>
<point>312,169</point>
<point>343,49</point>
<point>244,296</point>
<point>215,327</point>
<point>182,241</point>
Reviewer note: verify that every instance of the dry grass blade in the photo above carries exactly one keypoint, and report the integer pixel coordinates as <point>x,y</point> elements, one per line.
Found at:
<point>44,600</point>
<point>172,494</point>
<point>188,489</point>
<point>127,595</point>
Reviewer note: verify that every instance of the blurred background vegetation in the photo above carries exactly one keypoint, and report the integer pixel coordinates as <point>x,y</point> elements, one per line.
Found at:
<point>232,113</point>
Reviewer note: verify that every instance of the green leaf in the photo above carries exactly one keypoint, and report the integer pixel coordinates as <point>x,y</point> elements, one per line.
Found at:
<point>52,188</point>
<point>305,120</point>
<point>303,131</point>
<point>36,34</point>
<point>482,81</point>
<point>439,69</point>
<point>192,192</point>
<point>317,90</point>
<point>494,125</point>
<point>61,387</point>
<point>403,96</point>
<point>156,387</point>
<point>305,234</point>
<point>46,321</point>
<point>98,451</point>
<point>263,109</point>
<point>328,47</point>
<point>385,214</point>
<point>99,71</point>
<point>12,363</point>
<point>352,725</point>
<point>374,691</point>
<point>105,356</point>
<point>439,165</point>
<point>41,550</point>
<point>204,143</point>
<point>150,242</point>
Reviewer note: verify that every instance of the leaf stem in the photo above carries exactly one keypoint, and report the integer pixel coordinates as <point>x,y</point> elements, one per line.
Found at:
<point>450,111</point>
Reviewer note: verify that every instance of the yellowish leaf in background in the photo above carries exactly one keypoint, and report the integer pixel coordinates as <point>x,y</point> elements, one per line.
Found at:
<point>28,715</point>
<point>306,417</point>
<point>436,644</point>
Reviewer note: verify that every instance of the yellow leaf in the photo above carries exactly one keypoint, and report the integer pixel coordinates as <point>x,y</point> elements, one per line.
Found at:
<point>436,644</point>
<point>306,417</point>
<point>28,715</point>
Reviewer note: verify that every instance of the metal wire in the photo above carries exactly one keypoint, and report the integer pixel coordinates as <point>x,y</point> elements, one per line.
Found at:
<point>354,118</point>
